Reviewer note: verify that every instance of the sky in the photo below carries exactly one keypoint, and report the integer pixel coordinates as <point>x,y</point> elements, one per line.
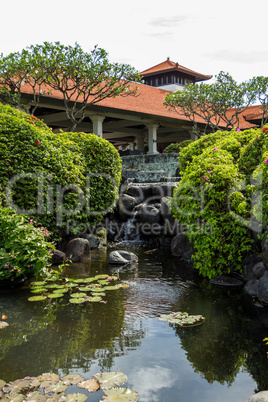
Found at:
<point>206,36</point>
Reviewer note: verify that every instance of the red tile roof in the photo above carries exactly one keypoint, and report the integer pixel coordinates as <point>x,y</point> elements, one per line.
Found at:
<point>170,65</point>
<point>149,104</point>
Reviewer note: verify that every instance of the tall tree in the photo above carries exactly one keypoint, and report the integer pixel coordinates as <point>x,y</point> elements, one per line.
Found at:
<point>82,78</point>
<point>218,104</point>
<point>260,86</point>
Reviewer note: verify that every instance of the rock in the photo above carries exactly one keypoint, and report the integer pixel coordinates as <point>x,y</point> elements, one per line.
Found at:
<point>263,288</point>
<point>259,397</point>
<point>58,257</point>
<point>125,206</point>
<point>223,280</point>
<point>122,257</point>
<point>102,236</point>
<point>251,288</point>
<point>265,258</point>
<point>94,241</point>
<point>148,214</point>
<point>247,273</point>
<point>77,250</point>
<point>258,270</point>
<point>140,192</point>
<point>180,244</point>
<point>166,211</point>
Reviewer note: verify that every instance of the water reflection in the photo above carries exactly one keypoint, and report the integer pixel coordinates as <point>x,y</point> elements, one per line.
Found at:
<point>160,360</point>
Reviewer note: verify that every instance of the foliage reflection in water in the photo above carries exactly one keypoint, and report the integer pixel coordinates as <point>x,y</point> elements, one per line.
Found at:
<point>223,359</point>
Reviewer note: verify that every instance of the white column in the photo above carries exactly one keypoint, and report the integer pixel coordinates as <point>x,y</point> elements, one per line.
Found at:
<point>152,139</point>
<point>97,125</point>
<point>193,136</point>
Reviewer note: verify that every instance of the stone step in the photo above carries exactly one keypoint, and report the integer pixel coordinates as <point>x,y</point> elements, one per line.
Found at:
<point>150,176</point>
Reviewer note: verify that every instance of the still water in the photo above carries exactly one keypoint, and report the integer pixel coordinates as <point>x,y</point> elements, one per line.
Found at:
<point>225,359</point>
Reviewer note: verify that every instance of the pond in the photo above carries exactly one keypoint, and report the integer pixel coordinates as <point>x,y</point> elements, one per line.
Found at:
<point>224,359</point>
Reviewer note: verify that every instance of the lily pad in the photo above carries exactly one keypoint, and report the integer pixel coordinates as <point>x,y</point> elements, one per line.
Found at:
<point>112,287</point>
<point>102,276</point>
<point>120,394</point>
<point>3,324</point>
<point>111,379</point>
<point>2,383</point>
<point>60,290</point>
<point>17,385</point>
<point>54,286</point>
<point>94,299</point>
<point>183,319</point>
<point>89,280</point>
<point>56,388</point>
<point>37,298</point>
<point>74,398</point>
<point>103,282</point>
<point>77,300</point>
<point>99,294</point>
<point>72,379</point>
<point>79,280</point>
<point>70,285</point>
<point>14,397</point>
<point>85,289</point>
<point>91,385</point>
<point>78,295</point>
<point>38,290</point>
<point>97,290</point>
<point>38,283</point>
<point>44,380</point>
<point>36,396</point>
<point>55,295</point>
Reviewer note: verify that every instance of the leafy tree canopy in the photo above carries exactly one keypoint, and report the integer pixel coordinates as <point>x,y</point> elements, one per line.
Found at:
<point>80,77</point>
<point>219,104</point>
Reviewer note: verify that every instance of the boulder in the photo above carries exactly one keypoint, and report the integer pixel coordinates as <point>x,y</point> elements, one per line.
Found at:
<point>101,234</point>
<point>77,250</point>
<point>263,288</point>
<point>258,270</point>
<point>57,257</point>
<point>148,214</point>
<point>125,206</point>
<point>94,241</point>
<point>121,257</point>
<point>180,245</point>
<point>228,281</point>
<point>166,211</point>
<point>251,288</point>
<point>259,397</point>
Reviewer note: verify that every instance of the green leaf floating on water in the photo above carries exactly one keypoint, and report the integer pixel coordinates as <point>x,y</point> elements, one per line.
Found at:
<point>77,300</point>
<point>60,290</point>
<point>78,295</point>
<point>37,298</point>
<point>94,299</point>
<point>55,295</point>
<point>120,394</point>
<point>183,319</point>
<point>2,383</point>
<point>74,398</point>
<point>71,379</point>
<point>112,287</point>
<point>111,379</point>
<point>38,283</point>
<point>38,290</point>
<point>56,388</point>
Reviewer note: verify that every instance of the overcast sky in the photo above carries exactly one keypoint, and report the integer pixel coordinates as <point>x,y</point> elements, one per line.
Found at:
<point>206,36</point>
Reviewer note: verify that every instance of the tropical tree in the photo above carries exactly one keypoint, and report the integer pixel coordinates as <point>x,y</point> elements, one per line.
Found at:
<point>260,86</point>
<point>82,78</point>
<point>218,104</point>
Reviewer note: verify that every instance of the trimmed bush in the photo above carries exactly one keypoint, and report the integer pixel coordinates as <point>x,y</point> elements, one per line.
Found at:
<point>176,147</point>
<point>23,248</point>
<point>52,177</point>
<point>215,195</point>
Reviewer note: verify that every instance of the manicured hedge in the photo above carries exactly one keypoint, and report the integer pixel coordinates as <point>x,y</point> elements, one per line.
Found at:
<point>215,198</point>
<point>53,177</point>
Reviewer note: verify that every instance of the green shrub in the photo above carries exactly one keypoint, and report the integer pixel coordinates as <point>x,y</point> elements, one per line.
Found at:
<point>214,197</point>
<point>52,177</point>
<point>23,248</point>
<point>176,147</point>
